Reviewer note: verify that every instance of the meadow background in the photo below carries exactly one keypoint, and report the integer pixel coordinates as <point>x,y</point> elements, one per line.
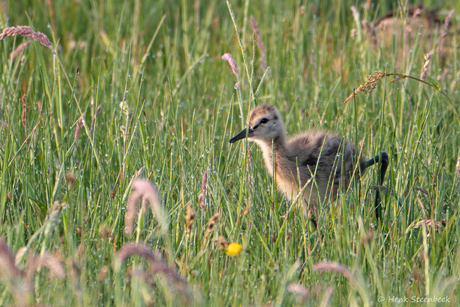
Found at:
<point>159,103</point>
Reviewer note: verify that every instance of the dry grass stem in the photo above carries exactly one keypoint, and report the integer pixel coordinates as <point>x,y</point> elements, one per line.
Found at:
<point>428,222</point>
<point>24,111</point>
<point>260,44</point>
<point>423,191</point>
<point>78,125</point>
<point>139,172</point>
<point>93,122</point>
<point>458,168</point>
<point>397,78</point>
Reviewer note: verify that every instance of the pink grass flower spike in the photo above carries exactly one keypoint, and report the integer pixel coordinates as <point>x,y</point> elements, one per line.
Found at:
<point>228,57</point>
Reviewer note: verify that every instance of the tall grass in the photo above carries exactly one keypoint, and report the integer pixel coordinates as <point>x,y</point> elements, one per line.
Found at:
<point>150,97</point>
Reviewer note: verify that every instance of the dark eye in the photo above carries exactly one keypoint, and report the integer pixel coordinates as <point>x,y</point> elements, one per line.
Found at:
<point>263,120</point>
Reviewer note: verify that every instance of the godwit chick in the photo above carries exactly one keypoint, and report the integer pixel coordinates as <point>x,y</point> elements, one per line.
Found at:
<point>327,157</point>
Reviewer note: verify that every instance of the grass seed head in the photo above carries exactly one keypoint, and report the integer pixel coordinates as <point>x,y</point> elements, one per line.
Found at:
<point>155,261</point>
<point>246,210</point>
<point>221,242</point>
<point>190,216</point>
<point>104,231</point>
<point>25,108</point>
<point>260,44</point>
<point>445,26</point>
<point>408,29</point>
<point>228,57</point>
<point>54,211</point>
<point>19,49</point>
<point>7,261</point>
<point>138,249</point>
<point>142,188</point>
<point>204,181</point>
<point>71,178</point>
<point>26,31</point>
<point>211,223</point>
<point>370,85</point>
<point>424,72</point>
<point>337,268</point>
<point>102,273</point>
<point>201,201</point>
<point>78,129</point>
<point>171,275</point>
<point>53,264</point>
<point>299,289</point>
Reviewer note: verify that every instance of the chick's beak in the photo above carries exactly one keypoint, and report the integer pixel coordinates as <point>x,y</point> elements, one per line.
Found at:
<point>242,135</point>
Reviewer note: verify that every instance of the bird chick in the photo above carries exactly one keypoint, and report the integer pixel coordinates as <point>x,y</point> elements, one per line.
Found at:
<point>330,159</point>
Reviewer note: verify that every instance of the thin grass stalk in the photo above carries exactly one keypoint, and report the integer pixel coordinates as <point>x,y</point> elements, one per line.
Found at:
<point>370,258</point>
<point>261,82</point>
<point>246,65</point>
<point>426,259</point>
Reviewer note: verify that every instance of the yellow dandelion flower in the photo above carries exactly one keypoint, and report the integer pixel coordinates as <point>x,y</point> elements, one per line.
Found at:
<point>234,249</point>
